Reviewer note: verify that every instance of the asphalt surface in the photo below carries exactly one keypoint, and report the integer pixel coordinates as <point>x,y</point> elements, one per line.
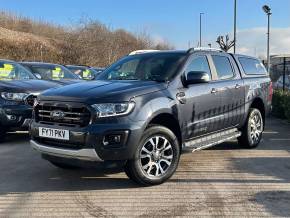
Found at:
<point>222,181</point>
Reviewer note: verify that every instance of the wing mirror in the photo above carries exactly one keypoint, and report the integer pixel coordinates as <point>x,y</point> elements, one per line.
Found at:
<point>38,76</point>
<point>196,77</point>
<point>92,77</point>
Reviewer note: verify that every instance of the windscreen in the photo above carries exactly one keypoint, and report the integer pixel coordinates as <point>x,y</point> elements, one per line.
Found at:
<point>52,72</point>
<point>154,67</point>
<point>14,71</point>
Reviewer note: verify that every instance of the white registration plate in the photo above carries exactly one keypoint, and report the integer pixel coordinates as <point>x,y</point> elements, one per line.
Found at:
<point>54,133</point>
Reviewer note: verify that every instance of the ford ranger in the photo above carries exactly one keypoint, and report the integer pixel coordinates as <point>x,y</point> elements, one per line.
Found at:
<point>147,108</point>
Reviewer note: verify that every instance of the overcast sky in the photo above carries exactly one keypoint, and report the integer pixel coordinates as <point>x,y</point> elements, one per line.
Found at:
<point>176,21</point>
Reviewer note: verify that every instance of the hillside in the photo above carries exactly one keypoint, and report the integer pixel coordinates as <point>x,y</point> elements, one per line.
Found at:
<point>23,38</point>
<point>88,42</point>
<point>17,45</point>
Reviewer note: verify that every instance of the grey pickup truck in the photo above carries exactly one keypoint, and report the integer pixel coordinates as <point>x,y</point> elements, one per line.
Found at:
<point>149,107</point>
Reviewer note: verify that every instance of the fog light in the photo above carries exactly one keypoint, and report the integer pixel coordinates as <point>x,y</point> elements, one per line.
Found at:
<point>112,139</point>
<point>11,117</point>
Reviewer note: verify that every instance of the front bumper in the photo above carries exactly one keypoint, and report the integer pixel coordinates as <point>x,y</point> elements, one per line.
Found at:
<point>15,116</point>
<point>81,154</point>
<point>87,142</point>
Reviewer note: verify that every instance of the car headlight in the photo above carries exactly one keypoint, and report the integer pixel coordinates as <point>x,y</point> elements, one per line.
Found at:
<point>13,96</point>
<point>113,109</point>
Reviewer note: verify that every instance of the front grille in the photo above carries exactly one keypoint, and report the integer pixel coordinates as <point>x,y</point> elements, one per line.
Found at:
<point>62,114</point>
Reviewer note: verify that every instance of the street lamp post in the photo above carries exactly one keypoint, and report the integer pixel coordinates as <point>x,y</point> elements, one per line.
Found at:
<point>200,29</point>
<point>267,10</point>
<point>235,25</point>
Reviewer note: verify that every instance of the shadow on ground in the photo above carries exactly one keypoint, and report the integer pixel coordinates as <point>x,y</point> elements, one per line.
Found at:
<point>23,170</point>
<point>16,137</point>
<point>275,202</point>
<point>41,179</point>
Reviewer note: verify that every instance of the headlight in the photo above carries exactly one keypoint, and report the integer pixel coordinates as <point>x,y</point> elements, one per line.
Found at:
<point>13,96</point>
<point>113,109</point>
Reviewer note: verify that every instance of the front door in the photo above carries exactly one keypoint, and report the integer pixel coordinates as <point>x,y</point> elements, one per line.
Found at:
<point>201,112</point>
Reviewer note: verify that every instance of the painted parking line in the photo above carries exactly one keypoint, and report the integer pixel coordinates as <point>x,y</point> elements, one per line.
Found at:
<point>280,139</point>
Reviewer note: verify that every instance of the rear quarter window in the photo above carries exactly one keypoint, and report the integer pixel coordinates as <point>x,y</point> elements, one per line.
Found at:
<point>252,66</point>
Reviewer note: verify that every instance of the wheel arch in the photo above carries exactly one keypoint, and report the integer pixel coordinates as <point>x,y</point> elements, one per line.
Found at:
<point>169,121</point>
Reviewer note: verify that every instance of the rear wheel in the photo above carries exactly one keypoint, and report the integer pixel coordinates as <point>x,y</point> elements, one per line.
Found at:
<point>156,157</point>
<point>253,129</point>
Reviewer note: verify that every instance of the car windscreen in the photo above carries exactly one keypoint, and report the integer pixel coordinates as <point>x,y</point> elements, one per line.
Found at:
<point>14,71</point>
<point>83,72</point>
<point>154,67</point>
<point>52,72</point>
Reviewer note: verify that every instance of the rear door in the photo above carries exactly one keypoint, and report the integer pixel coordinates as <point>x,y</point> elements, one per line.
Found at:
<point>231,89</point>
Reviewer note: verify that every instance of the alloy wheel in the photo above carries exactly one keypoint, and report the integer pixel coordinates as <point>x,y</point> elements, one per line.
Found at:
<point>156,156</point>
<point>256,127</point>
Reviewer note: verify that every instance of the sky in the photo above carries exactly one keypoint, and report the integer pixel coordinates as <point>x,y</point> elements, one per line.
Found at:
<point>175,21</point>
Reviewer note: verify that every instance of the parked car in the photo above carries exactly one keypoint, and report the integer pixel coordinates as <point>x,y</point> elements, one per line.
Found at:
<point>147,108</point>
<point>84,72</point>
<point>18,88</point>
<point>279,83</point>
<point>52,72</point>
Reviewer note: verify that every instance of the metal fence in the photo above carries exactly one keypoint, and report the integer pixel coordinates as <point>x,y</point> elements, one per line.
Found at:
<point>280,71</point>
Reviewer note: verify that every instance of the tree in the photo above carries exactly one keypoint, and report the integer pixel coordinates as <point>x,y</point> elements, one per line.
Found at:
<point>225,45</point>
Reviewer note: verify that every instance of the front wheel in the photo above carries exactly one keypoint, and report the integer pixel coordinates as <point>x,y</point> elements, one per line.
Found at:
<point>253,129</point>
<point>156,157</point>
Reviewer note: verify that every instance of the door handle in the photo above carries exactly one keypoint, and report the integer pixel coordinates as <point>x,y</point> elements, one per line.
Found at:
<point>238,86</point>
<point>214,90</point>
<point>180,96</point>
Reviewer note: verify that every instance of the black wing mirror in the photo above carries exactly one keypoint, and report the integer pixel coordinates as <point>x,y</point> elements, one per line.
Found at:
<point>195,77</point>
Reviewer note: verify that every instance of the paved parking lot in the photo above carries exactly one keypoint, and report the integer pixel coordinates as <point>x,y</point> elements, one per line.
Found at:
<point>222,181</point>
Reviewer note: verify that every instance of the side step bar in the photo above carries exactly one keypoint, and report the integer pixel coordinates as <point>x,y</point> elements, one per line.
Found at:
<point>211,140</point>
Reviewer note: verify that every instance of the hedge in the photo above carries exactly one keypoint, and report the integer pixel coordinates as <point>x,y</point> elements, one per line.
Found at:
<point>281,104</point>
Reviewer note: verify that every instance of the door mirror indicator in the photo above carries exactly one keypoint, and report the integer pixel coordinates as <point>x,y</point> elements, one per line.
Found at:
<point>195,77</point>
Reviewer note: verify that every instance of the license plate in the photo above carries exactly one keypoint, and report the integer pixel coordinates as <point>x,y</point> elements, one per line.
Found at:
<point>54,133</point>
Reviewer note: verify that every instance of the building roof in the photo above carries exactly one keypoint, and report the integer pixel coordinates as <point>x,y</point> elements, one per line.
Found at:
<point>281,56</point>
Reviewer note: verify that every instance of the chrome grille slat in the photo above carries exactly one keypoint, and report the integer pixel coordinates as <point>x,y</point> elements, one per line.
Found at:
<point>73,114</point>
<point>65,118</point>
<point>67,113</point>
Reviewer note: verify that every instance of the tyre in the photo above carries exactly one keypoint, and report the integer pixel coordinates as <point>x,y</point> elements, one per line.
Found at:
<point>253,129</point>
<point>63,165</point>
<point>156,157</point>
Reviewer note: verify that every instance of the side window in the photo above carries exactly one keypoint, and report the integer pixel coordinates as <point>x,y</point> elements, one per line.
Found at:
<point>252,66</point>
<point>223,67</point>
<point>199,63</point>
